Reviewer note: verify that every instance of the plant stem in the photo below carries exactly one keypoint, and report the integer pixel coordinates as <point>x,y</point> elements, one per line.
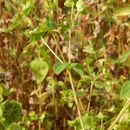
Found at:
<point>91,89</point>
<point>58,47</point>
<point>52,51</point>
<point>40,104</point>
<point>75,98</point>
<point>83,35</point>
<point>72,85</point>
<point>120,114</point>
<point>69,50</point>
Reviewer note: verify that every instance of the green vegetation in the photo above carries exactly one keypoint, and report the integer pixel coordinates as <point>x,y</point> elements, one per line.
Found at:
<point>64,65</point>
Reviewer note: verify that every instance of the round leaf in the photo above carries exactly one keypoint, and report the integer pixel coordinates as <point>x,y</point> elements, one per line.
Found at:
<point>39,68</point>
<point>11,112</point>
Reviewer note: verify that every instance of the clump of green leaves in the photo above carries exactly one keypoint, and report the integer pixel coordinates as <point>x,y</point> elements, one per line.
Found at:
<point>90,82</point>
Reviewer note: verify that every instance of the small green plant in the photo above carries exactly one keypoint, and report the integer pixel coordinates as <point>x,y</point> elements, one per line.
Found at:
<point>10,111</point>
<point>68,62</point>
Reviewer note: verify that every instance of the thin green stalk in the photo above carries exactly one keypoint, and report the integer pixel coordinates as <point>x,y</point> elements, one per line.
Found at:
<point>76,16</point>
<point>71,26</point>
<point>120,114</point>
<point>57,45</point>
<point>72,12</point>
<point>57,6</point>
<point>70,76</point>
<point>101,127</point>
<point>69,62</point>
<point>40,104</point>
<point>91,87</point>
<point>119,51</point>
<point>40,100</point>
<point>75,98</point>
<point>90,94</point>
<point>72,85</point>
<point>69,50</point>
<point>52,51</point>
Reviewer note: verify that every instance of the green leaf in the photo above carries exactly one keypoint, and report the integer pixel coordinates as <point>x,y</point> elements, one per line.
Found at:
<point>77,68</point>
<point>100,116</point>
<point>124,57</point>
<point>28,7</point>
<point>80,94</point>
<point>19,21</point>
<point>40,69</point>
<point>11,112</point>
<point>125,91</point>
<point>15,126</point>
<point>47,25</point>
<point>15,22</point>
<point>89,49</point>
<point>69,3</point>
<point>100,84</point>
<point>88,122</point>
<point>59,67</point>
<point>80,5</point>
<point>123,11</point>
<point>85,80</point>
<point>8,91</point>
<point>32,115</point>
